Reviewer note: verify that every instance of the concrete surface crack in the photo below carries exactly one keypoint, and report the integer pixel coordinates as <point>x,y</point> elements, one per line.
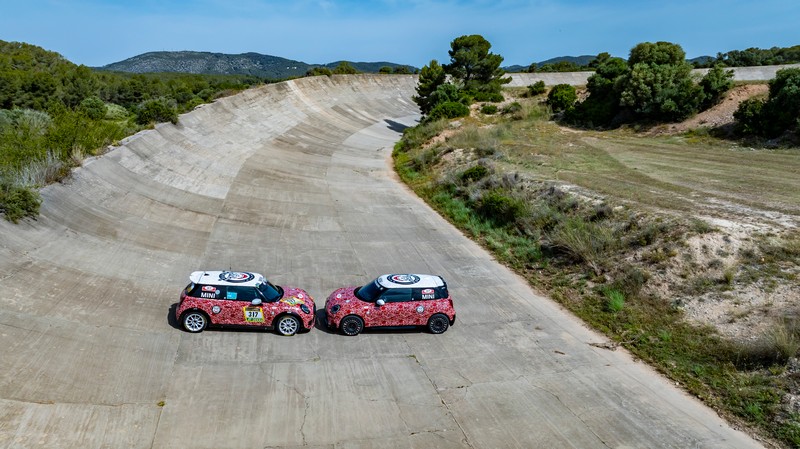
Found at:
<point>292,388</point>
<point>444,403</point>
<point>580,418</point>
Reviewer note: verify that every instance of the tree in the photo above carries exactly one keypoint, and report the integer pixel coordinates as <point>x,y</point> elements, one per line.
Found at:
<point>659,85</point>
<point>157,110</point>
<point>344,68</point>
<point>600,59</point>
<point>603,103</point>
<point>318,71</point>
<point>562,97</point>
<point>781,111</point>
<point>430,78</point>
<point>402,70</point>
<point>93,107</point>
<point>474,66</point>
<point>715,84</point>
<point>385,69</point>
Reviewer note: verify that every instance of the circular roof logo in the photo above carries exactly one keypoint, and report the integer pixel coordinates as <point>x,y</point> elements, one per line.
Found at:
<point>403,279</point>
<point>236,276</point>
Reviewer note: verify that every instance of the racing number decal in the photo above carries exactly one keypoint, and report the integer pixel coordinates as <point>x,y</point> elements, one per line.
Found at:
<point>253,314</point>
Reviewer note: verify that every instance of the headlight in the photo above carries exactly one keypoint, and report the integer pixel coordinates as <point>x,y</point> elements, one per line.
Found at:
<point>305,309</point>
<point>335,308</point>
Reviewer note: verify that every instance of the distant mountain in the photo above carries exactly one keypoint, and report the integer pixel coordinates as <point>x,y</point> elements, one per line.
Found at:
<point>272,67</point>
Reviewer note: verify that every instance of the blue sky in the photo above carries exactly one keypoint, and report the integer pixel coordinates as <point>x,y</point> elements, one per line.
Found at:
<point>99,32</point>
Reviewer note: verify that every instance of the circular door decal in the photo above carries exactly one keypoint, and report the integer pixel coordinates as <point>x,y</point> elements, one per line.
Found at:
<point>420,309</point>
<point>236,276</point>
<point>215,310</point>
<point>403,279</point>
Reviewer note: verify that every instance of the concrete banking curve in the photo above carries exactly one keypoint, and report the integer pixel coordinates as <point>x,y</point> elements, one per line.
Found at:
<point>293,180</point>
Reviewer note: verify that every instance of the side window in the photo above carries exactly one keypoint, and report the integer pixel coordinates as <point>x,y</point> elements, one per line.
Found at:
<point>240,293</point>
<point>397,295</point>
<point>207,291</point>
<point>424,294</point>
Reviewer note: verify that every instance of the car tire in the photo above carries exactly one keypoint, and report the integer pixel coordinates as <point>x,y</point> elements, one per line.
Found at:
<point>438,323</point>
<point>194,321</point>
<point>351,325</point>
<point>287,325</point>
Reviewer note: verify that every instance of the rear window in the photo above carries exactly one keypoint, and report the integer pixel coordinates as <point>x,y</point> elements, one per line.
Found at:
<point>425,294</point>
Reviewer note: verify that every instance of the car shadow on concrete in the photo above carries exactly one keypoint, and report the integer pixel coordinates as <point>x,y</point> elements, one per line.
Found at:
<point>395,126</point>
<point>322,325</point>
<point>173,322</point>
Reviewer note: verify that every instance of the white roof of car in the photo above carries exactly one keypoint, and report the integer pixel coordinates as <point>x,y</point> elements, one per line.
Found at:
<point>410,281</point>
<point>245,278</point>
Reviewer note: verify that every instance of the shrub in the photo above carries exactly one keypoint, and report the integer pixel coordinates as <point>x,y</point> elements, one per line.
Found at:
<point>94,108</point>
<point>489,109</point>
<point>562,97</point>
<point>536,88</point>
<point>448,110</point>
<point>512,108</point>
<point>116,112</point>
<point>157,110</point>
<point>748,116</point>
<point>715,84</point>
<point>494,97</point>
<point>19,202</point>
<point>474,173</point>
<point>585,241</point>
<point>502,209</point>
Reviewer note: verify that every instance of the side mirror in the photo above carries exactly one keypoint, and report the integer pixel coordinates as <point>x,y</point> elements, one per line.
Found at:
<point>380,302</point>
<point>256,302</point>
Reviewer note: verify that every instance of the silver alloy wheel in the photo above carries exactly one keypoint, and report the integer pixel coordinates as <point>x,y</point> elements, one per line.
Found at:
<point>438,323</point>
<point>194,322</point>
<point>288,325</point>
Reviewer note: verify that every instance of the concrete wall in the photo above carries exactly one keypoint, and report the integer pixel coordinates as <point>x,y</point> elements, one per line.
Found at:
<point>763,73</point>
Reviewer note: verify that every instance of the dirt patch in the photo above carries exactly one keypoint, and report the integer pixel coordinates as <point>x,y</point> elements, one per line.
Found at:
<point>719,115</point>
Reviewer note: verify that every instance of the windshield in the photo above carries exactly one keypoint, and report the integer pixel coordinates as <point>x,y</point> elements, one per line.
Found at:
<point>271,292</point>
<point>369,292</point>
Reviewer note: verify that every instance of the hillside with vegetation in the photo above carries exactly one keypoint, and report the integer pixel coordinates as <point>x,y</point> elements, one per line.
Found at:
<point>254,64</point>
<point>681,247</point>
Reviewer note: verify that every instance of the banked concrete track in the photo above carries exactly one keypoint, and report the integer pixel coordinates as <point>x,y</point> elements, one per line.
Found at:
<point>293,180</point>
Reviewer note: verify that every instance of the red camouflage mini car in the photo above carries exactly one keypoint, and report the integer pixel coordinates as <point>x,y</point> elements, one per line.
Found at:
<point>392,300</point>
<point>241,298</point>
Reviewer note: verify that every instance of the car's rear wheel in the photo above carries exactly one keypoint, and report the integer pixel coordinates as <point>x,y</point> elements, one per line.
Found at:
<point>438,323</point>
<point>287,325</point>
<point>194,321</point>
<point>352,325</point>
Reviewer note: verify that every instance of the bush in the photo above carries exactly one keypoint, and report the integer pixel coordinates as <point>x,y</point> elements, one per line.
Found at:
<point>94,108</point>
<point>17,202</point>
<point>748,116</point>
<point>500,208</point>
<point>562,97</point>
<point>537,88</point>
<point>474,173</point>
<point>512,108</point>
<point>585,241</point>
<point>715,84</point>
<point>489,109</point>
<point>116,112</point>
<point>155,111</point>
<point>448,110</point>
<point>494,97</point>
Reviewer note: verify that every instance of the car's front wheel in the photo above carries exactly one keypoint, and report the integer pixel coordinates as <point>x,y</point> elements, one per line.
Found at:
<point>288,325</point>
<point>352,325</point>
<point>194,321</point>
<point>438,323</point>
